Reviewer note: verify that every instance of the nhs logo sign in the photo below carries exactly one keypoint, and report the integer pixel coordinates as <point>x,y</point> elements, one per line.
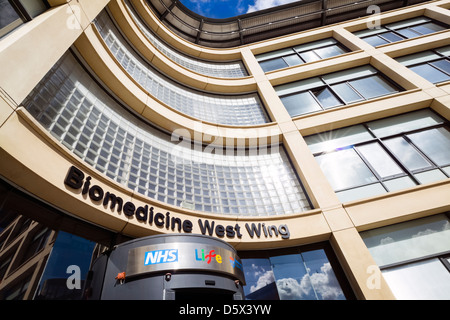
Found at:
<point>161,256</point>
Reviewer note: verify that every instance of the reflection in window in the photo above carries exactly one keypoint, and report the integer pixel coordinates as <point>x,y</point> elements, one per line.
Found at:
<point>345,169</point>
<point>9,19</point>
<point>304,53</point>
<point>407,154</point>
<point>37,254</point>
<point>7,14</point>
<point>14,13</point>
<point>413,257</point>
<point>4,265</point>
<point>17,292</point>
<point>433,65</point>
<point>295,275</point>
<point>384,155</point>
<point>38,241</point>
<point>259,278</point>
<point>398,31</point>
<point>334,89</point>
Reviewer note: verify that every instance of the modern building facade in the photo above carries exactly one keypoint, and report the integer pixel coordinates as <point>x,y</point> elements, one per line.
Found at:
<point>313,138</point>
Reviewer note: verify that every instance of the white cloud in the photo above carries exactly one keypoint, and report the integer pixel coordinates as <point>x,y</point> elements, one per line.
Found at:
<point>264,279</point>
<point>323,284</point>
<point>326,284</point>
<point>265,4</point>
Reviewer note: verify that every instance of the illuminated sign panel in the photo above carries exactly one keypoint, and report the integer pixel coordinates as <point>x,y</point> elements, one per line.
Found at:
<point>183,256</point>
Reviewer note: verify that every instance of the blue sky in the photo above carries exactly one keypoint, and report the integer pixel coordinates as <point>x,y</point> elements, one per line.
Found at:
<point>229,8</point>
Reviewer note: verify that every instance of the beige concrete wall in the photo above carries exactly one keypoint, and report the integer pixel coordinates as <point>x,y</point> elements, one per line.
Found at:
<point>32,159</point>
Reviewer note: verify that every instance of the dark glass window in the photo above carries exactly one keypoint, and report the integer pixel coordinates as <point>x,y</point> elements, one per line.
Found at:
<point>154,170</point>
<point>69,253</point>
<point>7,14</point>
<point>433,65</point>
<point>398,31</point>
<point>9,18</point>
<point>305,273</point>
<point>4,265</point>
<point>335,89</point>
<point>304,53</point>
<point>293,60</point>
<point>384,155</point>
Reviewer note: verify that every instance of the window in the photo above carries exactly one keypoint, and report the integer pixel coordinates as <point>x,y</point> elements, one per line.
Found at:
<point>15,12</point>
<point>9,18</point>
<point>234,69</point>
<point>433,65</point>
<point>414,257</point>
<point>18,290</point>
<point>334,89</point>
<point>307,273</point>
<point>67,250</point>
<point>4,265</point>
<point>300,54</point>
<point>36,243</point>
<point>384,155</point>
<point>398,31</point>
<point>237,109</point>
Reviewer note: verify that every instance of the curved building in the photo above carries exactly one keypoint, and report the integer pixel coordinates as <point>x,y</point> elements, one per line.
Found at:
<point>311,139</point>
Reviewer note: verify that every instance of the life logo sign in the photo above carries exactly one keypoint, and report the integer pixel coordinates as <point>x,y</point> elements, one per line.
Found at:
<point>208,257</point>
<point>161,256</point>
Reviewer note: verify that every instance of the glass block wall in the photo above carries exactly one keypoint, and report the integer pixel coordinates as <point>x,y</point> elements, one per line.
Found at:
<point>241,110</point>
<point>233,69</point>
<point>77,112</point>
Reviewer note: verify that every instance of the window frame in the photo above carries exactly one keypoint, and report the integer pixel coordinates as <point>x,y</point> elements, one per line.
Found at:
<point>380,140</point>
<point>440,55</point>
<point>22,12</point>
<point>389,29</point>
<point>325,246</point>
<point>292,51</point>
<point>443,256</point>
<point>338,96</point>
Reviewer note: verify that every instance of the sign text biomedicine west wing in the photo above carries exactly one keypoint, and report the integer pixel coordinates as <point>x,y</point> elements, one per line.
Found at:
<point>77,180</point>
